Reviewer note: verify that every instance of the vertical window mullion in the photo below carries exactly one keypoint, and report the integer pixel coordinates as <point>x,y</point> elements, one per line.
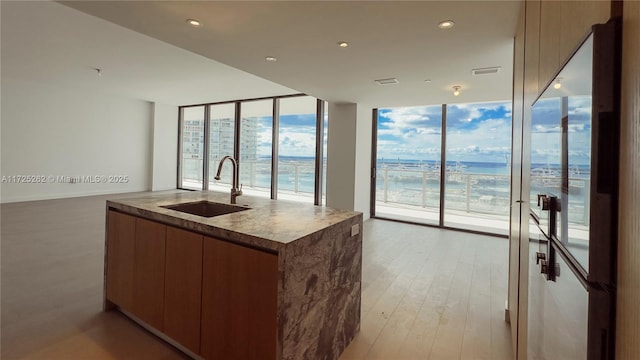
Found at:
<point>374,161</point>
<point>236,133</point>
<point>443,162</point>
<point>180,145</point>
<point>319,152</point>
<point>275,141</point>
<point>207,140</point>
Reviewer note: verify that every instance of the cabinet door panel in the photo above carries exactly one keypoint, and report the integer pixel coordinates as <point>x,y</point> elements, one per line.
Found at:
<point>183,287</point>
<point>577,19</point>
<point>120,259</point>
<point>148,291</point>
<point>549,41</point>
<point>239,298</point>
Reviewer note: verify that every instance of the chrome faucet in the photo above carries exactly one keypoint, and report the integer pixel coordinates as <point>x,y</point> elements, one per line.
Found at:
<point>235,190</point>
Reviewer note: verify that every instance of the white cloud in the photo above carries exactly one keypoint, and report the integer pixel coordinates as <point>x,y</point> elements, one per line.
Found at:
<point>418,132</point>
<point>423,119</point>
<point>576,127</point>
<point>539,128</point>
<point>294,143</point>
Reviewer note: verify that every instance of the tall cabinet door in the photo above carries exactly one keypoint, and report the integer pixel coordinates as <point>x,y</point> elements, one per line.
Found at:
<point>120,259</point>
<point>241,321</point>
<point>183,287</point>
<point>148,279</point>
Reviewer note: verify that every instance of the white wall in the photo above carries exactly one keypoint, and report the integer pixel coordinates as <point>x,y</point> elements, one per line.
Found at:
<point>362,185</point>
<point>165,147</point>
<point>349,157</point>
<point>53,131</point>
<point>341,149</point>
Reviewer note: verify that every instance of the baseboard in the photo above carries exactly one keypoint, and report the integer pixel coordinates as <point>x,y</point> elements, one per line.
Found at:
<point>67,195</point>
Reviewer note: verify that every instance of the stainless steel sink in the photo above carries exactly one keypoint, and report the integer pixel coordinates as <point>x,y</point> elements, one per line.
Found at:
<point>206,208</point>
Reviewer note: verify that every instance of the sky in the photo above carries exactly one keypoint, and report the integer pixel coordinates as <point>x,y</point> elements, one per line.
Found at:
<point>479,132</point>
<point>297,135</point>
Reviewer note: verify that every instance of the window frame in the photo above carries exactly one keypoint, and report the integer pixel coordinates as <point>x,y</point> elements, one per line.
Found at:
<point>319,153</point>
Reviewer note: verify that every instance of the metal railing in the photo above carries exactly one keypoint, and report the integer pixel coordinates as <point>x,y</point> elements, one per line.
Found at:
<point>468,192</point>
<point>297,177</point>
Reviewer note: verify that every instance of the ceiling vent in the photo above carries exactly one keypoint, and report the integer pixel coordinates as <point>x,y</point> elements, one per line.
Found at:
<point>485,71</point>
<point>388,81</point>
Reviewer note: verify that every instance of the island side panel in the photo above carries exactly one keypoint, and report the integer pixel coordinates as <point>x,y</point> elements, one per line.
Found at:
<point>320,309</point>
<point>281,291</point>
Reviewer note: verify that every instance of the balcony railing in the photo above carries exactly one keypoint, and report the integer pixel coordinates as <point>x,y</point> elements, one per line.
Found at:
<point>487,194</point>
<point>481,193</point>
<point>294,177</point>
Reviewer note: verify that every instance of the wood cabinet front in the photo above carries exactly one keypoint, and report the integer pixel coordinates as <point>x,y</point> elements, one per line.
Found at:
<point>215,298</point>
<point>239,302</point>
<point>148,290</point>
<point>121,231</point>
<point>183,287</point>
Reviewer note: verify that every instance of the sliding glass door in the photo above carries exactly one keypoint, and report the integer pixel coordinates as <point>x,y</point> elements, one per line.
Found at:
<point>408,163</point>
<point>457,178</point>
<point>477,179</point>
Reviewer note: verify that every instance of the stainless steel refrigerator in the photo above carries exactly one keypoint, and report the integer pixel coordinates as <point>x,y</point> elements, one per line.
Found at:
<point>574,203</point>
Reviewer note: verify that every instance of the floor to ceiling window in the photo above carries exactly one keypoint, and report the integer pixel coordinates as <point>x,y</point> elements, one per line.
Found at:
<point>256,131</point>
<point>324,132</point>
<point>466,186</point>
<point>248,131</point>
<point>192,147</point>
<point>222,124</point>
<point>408,163</point>
<point>477,179</point>
<point>297,148</point>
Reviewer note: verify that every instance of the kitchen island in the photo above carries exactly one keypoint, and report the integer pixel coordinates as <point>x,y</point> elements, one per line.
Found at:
<point>272,280</point>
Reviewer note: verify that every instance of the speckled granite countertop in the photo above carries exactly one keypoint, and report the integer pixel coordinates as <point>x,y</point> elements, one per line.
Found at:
<point>269,224</point>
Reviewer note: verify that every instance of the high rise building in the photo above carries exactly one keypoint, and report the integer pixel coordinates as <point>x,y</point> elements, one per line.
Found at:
<point>221,135</point>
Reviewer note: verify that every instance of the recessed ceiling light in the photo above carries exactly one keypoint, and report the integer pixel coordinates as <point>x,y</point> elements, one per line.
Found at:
<point>271,58</point>
<point>343,44</point>
<point>446,24</point>
<point>427,80</point>
<point>194,22</point>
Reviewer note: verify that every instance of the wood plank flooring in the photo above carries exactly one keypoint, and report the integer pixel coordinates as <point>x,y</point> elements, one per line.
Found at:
<point>426,294</point>
<point>431,294</point>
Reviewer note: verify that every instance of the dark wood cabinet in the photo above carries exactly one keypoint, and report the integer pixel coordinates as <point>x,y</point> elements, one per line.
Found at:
<point>239,302</point>
<point>183,287</point>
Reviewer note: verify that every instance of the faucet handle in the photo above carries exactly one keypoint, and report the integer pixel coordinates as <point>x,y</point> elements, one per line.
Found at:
<point>239,190</point>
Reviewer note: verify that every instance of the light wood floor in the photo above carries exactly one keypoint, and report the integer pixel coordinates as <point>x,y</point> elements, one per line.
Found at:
<point>427,293</point>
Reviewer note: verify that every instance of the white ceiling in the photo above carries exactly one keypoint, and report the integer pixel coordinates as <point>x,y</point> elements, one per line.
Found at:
<point>387,39</point>
<point>50,44</point>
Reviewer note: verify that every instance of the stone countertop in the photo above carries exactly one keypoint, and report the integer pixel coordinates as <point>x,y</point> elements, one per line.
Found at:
<point>269,224</point>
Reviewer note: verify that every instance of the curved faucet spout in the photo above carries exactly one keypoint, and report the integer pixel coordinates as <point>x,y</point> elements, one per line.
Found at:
<point>235,190</point>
